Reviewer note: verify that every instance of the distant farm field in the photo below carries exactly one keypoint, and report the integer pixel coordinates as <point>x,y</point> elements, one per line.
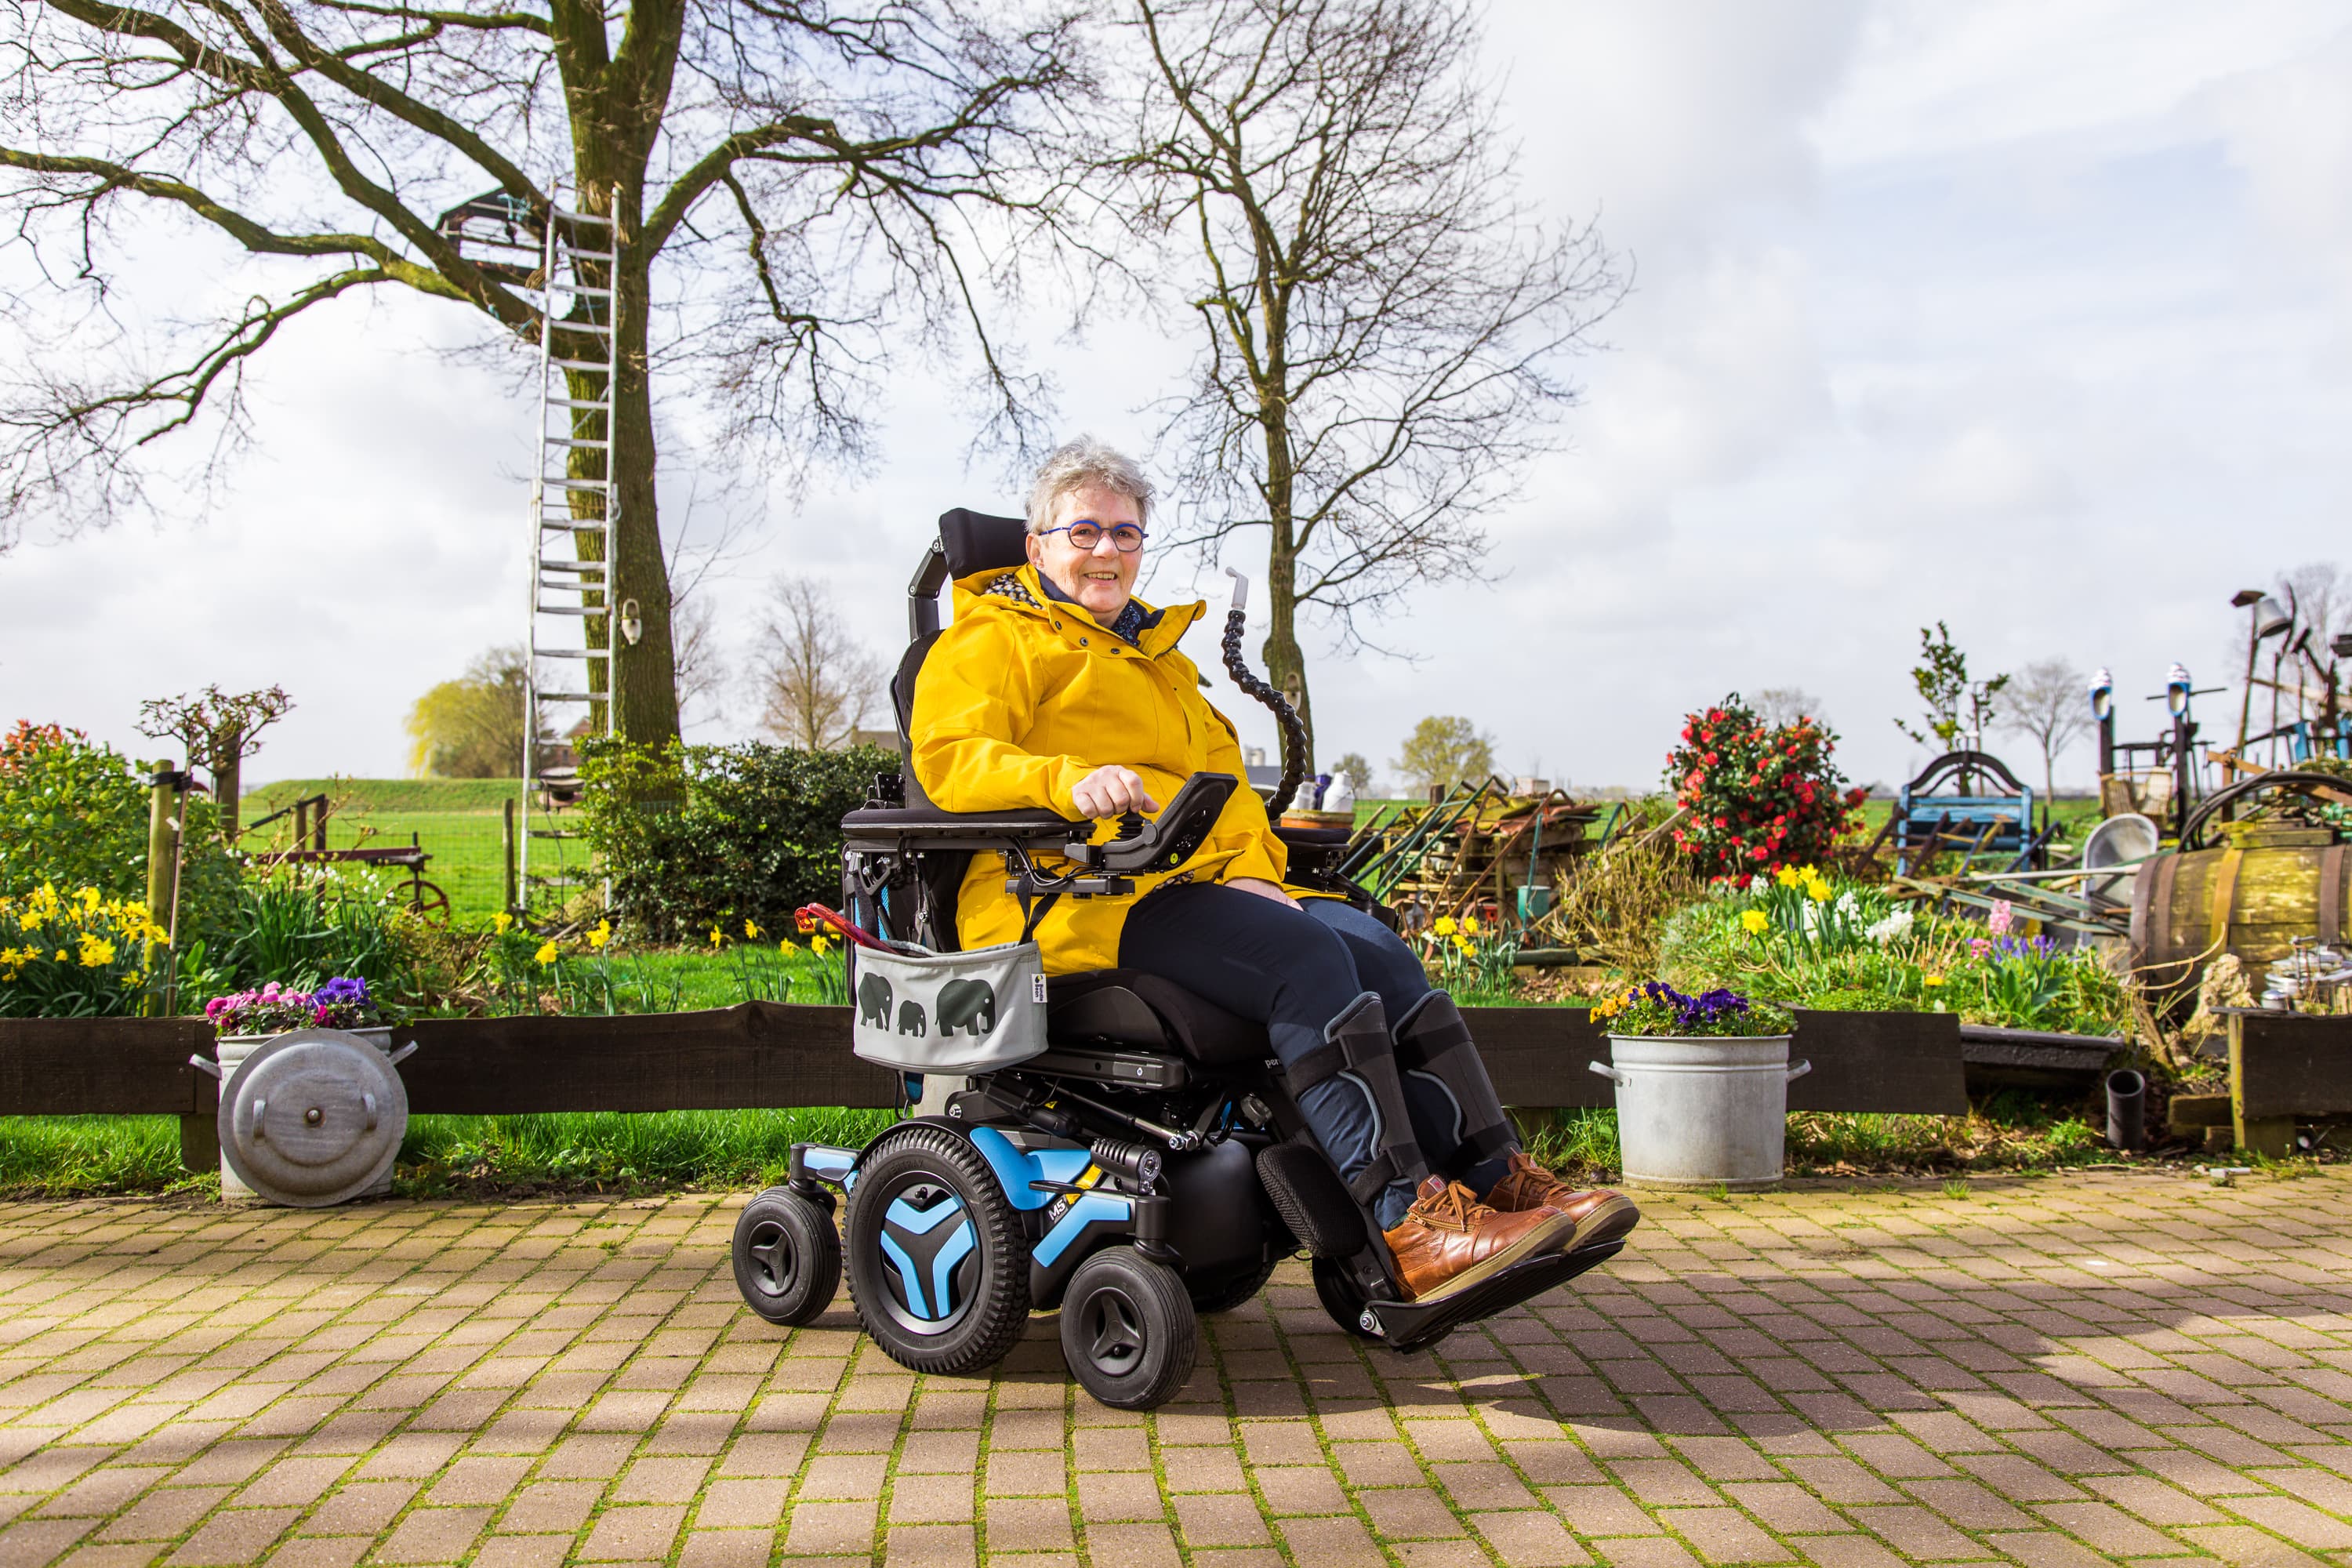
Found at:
<point>459,823</point>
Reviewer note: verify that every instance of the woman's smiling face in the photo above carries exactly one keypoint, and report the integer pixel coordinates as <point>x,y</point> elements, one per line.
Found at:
<point>1101,579</point>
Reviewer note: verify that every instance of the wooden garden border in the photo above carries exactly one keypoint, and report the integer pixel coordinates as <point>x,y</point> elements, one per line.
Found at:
<point>763,1055</point>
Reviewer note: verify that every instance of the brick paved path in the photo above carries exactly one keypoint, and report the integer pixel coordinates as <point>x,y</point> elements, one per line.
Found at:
<point>2041,1372</point>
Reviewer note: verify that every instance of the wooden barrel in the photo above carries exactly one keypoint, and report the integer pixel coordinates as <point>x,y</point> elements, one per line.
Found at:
<point>2260,900</point>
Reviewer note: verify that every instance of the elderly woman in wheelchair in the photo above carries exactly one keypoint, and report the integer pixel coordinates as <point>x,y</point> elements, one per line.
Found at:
<point>1241,1059</point>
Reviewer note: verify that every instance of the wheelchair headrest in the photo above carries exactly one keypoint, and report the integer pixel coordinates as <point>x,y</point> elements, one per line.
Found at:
<point>975,541</point>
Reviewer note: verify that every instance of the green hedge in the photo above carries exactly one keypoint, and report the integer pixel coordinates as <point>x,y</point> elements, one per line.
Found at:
<point>696,836</point>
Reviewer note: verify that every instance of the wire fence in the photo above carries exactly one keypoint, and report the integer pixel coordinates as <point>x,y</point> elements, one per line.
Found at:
<point>450,851</point>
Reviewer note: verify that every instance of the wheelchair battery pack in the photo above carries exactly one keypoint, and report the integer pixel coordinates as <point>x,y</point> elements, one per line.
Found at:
<point>959,1012</point>
<point>1109,1064</point>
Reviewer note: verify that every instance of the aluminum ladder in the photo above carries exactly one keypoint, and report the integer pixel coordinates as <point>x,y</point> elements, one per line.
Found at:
<point>574,505</point>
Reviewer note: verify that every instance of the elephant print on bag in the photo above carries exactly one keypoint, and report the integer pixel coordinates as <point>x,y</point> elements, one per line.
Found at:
<point>910,1018</point>
<point>966,1004</point>
<point>874,1001</point>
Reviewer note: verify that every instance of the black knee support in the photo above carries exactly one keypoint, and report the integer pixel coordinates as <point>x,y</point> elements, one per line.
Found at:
<point>1357,1044</point>
<point>1432,1043</point>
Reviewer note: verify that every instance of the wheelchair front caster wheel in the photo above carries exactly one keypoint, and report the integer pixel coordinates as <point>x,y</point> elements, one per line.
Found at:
<point>1128,1332</point>
<point>787,1257</point>
<point>1340,1297</point>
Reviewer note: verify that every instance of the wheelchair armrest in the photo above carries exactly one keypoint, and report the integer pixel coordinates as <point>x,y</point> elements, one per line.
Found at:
<point>1169,839</point>
<point>929,823</point>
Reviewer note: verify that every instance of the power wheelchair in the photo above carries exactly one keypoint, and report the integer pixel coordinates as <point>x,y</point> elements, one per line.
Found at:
<point>1148,1166</point>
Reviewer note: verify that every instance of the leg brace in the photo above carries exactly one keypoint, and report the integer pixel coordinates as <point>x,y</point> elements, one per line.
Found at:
<point>1356,1046</point>
<point>1433,1048</point>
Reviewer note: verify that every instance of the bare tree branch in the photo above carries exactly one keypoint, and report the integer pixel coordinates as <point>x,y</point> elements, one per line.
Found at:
<point>886,169</point>
<point>1382,322</point>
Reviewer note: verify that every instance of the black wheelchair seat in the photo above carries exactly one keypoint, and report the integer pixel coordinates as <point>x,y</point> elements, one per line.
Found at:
<point>1143,1012</point>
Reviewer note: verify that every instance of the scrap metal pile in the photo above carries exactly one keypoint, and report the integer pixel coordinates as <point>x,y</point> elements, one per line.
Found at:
<point>1479,849</point>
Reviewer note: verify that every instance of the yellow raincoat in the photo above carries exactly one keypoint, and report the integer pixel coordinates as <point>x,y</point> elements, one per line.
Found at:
<point>1021,698</point>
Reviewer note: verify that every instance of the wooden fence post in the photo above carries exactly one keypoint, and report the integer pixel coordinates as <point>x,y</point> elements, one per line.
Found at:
<point>506,838</point>
<point>163,861</point>
<point>2271,1136</point>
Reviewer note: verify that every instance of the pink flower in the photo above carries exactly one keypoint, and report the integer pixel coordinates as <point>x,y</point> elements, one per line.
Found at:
<point>1978,945</point>
<point>2002,918</point>
<point>323,1016</point>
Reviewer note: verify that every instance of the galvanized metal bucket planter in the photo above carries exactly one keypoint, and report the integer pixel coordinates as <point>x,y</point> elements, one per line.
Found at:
<point>310,1118</point>
<point>1701,1111</point>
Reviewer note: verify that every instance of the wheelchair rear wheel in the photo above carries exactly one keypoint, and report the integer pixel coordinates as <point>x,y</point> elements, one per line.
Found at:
<point>787,1257</point>
<point>1128,1334</point>
<point>1239,1291</point>
<point>937,1263</point>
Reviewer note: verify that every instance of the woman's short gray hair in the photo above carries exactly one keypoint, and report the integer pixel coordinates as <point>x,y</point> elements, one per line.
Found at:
<point>1087,461</point>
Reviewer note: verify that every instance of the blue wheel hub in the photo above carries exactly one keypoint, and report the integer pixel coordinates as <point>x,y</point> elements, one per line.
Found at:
<point>931,1257</point>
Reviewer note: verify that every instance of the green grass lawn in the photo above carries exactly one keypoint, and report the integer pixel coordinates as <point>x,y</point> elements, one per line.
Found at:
<point>387,794</point>
<point>75,1156</point>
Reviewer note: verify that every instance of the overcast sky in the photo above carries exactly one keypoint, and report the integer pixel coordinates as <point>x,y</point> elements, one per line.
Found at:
<point>2031,318</point>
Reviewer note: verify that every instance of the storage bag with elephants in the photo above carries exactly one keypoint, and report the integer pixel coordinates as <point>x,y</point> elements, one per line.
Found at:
<point>920,1011</point>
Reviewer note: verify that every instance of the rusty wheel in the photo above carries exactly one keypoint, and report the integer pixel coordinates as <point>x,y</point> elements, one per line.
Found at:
<point>429,901</point>
<point>2223,806</point>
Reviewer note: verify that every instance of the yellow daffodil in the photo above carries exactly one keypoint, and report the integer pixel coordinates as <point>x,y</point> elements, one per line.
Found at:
<point>501,923</point>
<point>1444,926</point>
<point>1470,924</point>
<point>600,935</point>
<point>96,951</point>
<point>1818,890</point>
<point>718,937</point>
<point>61,956</point>
<point>545,955</point>
<point>1464,943</point>
<point>821,945</point>
<point>1786,875</point>
<point>31,919</point>
<point>751,928</point>
<point>90,899</point>
<point>1753,921</point>
<point>1932,980</point>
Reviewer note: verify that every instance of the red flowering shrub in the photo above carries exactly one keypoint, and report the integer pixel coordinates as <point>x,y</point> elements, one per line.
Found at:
<point>1759,798</point>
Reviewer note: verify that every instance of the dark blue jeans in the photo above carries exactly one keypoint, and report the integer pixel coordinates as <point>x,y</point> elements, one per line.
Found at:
<point>1295,971</point>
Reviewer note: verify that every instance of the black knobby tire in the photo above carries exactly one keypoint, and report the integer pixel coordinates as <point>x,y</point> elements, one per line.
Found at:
<point>1238,1292</point>
<point>926,1200</point>
<point>1339,1297</point>
<point>787,1257</point>
<point>1128,1334</point>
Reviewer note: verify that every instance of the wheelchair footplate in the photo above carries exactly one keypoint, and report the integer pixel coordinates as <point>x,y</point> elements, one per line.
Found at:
<point>1407,1326</point>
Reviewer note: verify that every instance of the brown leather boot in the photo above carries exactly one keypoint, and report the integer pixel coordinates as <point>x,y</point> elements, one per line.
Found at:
<point>1448,1239</point>
<point>1600,1215</point>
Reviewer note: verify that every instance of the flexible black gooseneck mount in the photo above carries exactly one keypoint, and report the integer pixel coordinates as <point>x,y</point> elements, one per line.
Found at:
<point>1293,729</point>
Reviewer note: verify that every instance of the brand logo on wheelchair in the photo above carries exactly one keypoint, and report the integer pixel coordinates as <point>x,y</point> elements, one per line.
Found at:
<point>930,1255</point>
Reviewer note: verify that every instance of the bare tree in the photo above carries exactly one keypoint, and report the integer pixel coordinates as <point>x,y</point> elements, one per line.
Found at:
<point>220,730</point>
<point>2321,593</point>
<point>1381,319</point>
<point>2049,701</point>
<point>701,671</point>
<point>788,180</point>
<point>814,682</point>
<point>1780,705</point>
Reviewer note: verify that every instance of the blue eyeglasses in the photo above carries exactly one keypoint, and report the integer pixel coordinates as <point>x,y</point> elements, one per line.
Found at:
<point>1086,533</point>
